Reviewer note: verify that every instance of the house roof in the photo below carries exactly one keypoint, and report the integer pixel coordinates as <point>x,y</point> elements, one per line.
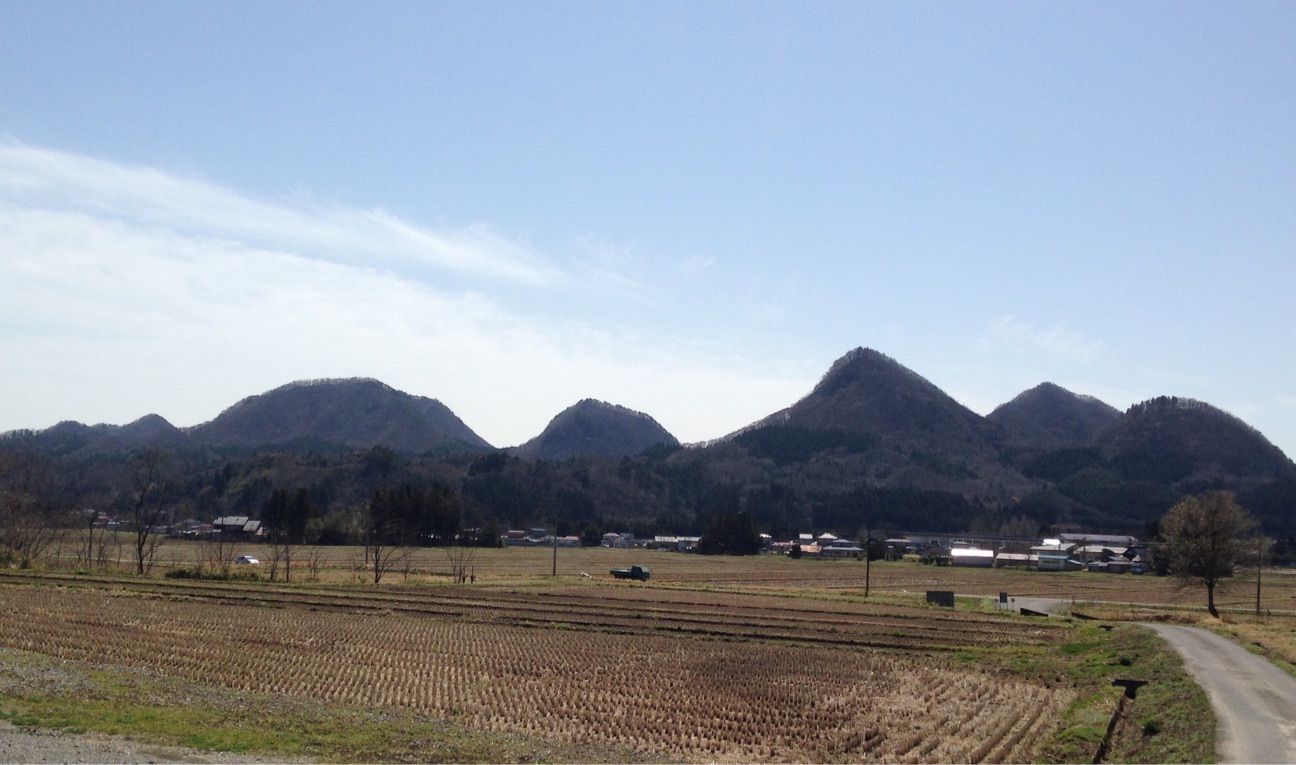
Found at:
<point>1101,539</point>
<point>1046,548</point>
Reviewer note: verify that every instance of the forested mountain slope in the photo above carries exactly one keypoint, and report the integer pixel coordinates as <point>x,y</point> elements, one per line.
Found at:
<point>872,444</point>
<point>596,427</point>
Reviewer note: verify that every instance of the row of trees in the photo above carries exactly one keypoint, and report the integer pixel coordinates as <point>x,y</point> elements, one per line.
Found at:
<point>38,516</point>
<point>399,518</point>
<point>28,515</point>
<point>1202,539</point>
<point>35,515</point>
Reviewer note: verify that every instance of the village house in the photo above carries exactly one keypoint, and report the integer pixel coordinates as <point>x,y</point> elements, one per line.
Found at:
<point>841,548</point>
<point>238,528</point>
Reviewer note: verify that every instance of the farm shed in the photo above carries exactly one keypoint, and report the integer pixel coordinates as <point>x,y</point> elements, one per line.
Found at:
<point>841,548</point>
<point>1015,560</point>
<point>1113,566</point>
<point>1058,562</point>
<point>970,556</point>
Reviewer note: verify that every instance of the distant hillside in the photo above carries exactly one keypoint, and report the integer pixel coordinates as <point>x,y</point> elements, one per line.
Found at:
<point>872,420</point>
<point>872,445</point>
<point>73,439</point>
<point>352,414</point>
<point>595,427</point>
<point>868,392</point>
<point>151,429</point>
<point>1049,417</point>
<point>1143,461</point>
<point>1180,440</point>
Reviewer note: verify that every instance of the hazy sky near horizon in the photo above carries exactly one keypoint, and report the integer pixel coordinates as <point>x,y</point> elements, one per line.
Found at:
<point>689,209</point>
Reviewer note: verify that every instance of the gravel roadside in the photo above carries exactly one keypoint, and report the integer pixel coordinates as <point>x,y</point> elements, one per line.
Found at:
<point>37,745</point>
<point>22,674</point>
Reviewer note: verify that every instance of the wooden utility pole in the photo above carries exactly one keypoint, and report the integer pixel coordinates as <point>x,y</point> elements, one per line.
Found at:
<point>1260,545</point>
<point>868,559</point>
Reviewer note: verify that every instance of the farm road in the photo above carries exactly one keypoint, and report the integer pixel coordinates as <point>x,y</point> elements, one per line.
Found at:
<point>1254,701</point>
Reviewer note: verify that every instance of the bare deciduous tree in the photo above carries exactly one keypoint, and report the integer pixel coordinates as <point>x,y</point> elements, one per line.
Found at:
<point>1204,538</point>
<point>150,496</point>
<point>461,561</point>
<point>29,513</point>
<point>314,563</point>
<point>216,554</point>
<point>285,517</point>
<point>383,533</point>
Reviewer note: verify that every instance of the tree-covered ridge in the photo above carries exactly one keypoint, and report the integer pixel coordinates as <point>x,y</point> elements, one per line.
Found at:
<point>354,413</point>
<point>872,444</point>
<point>1178,440</point>
<point>596,427</point>
<point>1049,417</point>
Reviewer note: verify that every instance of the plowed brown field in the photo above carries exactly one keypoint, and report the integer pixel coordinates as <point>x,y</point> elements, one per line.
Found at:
<point>681,674</point>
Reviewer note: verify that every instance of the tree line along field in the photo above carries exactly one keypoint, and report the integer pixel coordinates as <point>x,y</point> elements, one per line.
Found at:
<point>347,564</point>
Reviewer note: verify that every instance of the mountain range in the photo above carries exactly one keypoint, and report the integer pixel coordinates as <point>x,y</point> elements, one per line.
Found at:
<point>869,425</point>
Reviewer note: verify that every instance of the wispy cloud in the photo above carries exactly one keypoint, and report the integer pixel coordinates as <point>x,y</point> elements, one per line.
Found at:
<point>45,179</point>
<point>127,290</point>
<point>697,264</point>
<point>1058,341</point>
<point>617,267</point>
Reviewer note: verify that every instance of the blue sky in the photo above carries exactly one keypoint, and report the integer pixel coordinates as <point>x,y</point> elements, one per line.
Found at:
<point>689,209</point>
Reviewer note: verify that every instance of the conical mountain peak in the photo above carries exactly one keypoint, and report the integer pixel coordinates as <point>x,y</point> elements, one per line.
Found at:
<point>596,427</point>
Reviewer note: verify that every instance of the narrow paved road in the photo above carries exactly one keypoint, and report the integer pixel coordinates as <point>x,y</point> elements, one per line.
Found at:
<point>1254,701</point>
